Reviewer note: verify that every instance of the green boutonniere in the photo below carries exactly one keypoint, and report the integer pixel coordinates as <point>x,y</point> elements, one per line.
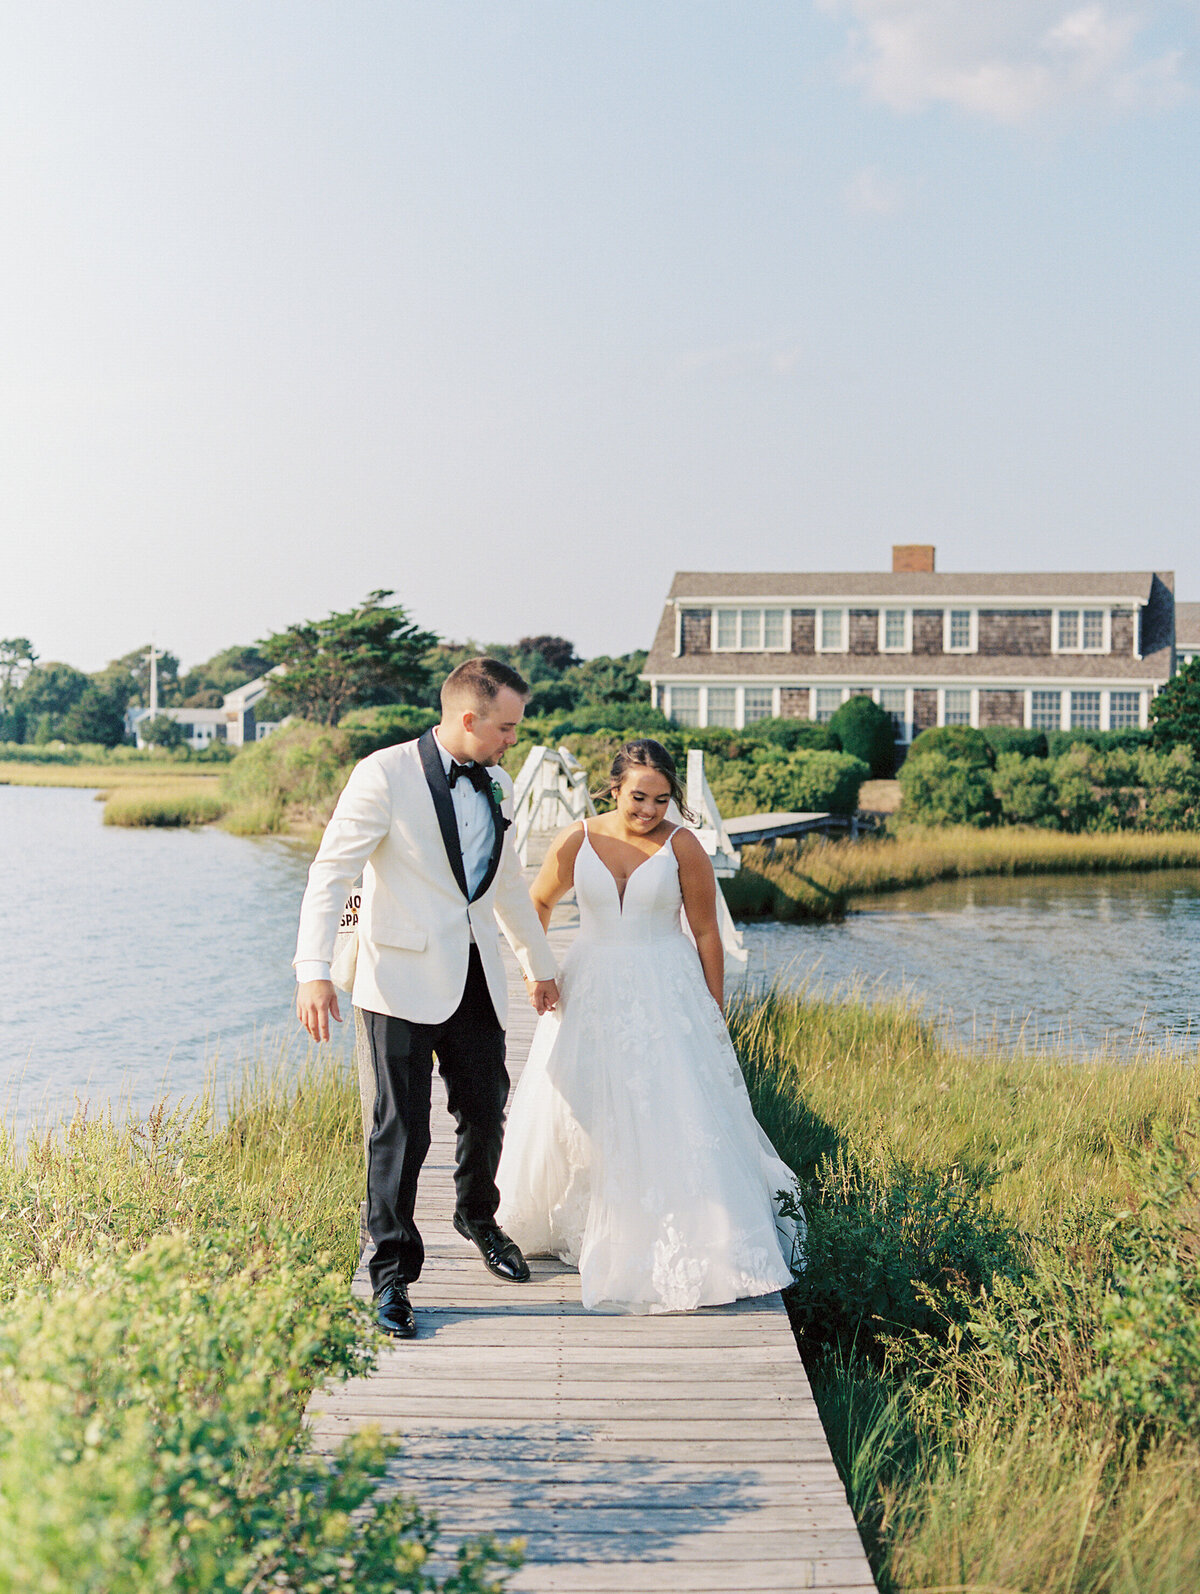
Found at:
<point>497,792</point>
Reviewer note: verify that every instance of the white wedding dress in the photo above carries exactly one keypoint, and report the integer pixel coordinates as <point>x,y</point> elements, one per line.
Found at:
<point>631,1149</point>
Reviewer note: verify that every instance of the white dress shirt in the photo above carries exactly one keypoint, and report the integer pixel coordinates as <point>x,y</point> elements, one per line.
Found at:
<point>476,836</point>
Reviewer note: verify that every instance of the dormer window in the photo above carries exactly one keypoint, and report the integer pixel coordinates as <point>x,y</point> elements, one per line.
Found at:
<point>1081,631</point>
<point>831,631</point>
<point>960,632</point>
<point>751,631</point>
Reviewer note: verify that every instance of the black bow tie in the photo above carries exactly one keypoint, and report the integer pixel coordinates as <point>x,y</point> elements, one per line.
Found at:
<point>475,773</point>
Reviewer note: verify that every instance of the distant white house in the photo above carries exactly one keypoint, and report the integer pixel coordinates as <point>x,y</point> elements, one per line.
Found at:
<point>235,722</point>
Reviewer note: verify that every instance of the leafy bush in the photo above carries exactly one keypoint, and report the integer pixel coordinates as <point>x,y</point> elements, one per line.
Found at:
<point>1026,791</point>
<point>1008,739</point>
<point>940,790</point>
<point>866,730</point>
<point>793,734</point>
<point>301,767</point>
<point>626,720</point>
<point>804,782</point>
<point>1171,785</point>
<point>959,742</point>
<point>1176,710</point>
<point>369,729</point>
<point>1126,741</point>
<point>151,1439</point>
<point>1097,789</point>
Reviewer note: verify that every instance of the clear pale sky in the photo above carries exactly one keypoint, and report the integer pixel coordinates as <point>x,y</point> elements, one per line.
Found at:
<point>517,308</point>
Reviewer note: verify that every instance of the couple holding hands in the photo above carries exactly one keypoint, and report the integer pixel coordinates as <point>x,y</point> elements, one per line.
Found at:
<point>631,1149</point>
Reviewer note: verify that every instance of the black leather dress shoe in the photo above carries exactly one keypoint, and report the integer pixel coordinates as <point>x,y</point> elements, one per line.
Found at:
<point>393,1311</point>
<point>501,1255</point>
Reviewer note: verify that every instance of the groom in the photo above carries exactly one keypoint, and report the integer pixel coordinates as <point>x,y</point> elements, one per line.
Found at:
<point>424,823</point>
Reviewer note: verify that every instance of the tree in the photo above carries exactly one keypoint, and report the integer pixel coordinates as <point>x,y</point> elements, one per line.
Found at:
<point>205,685</point>
<point>352,659</point>
<point>866,730</point>
<point>558,653</point>
<point>17,658</point>
<point>1175,711</point>
<point>97,716</point>
<point>162,731</point>
<point>131,674</point>
<point>608,679</point>
<point>45,696</point>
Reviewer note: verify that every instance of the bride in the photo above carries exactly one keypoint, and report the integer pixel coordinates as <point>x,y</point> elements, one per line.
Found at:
<point>631,1150</point>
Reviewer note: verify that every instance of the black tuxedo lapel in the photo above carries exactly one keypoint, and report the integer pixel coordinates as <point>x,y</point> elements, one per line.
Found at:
<point>499,826</point>
<point>443,806</point>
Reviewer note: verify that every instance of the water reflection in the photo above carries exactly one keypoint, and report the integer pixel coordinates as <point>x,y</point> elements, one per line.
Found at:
<point>140,956</point>
<point>1077,959</point>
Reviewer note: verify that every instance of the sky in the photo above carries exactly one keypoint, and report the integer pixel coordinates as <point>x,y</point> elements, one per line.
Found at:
<point>515,309</point>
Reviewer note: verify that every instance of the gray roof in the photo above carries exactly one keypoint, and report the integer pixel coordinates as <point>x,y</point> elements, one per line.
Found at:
<point>1134,585</point>
<point>1187,625</point>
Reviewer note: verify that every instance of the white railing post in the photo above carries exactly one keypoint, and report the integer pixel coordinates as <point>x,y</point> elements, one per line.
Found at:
<point>550,793</point>
<point>714,838</point>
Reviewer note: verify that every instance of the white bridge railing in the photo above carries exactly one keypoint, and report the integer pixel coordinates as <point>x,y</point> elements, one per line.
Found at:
<point>551,792</point>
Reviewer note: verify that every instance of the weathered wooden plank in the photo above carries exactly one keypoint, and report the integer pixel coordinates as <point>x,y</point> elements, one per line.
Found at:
<point>655,1454</point>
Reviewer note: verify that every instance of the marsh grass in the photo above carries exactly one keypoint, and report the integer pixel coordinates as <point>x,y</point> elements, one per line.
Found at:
<point>819,879</point>
<point>1001,1314</point>
<point>114,776</point>
<point>166,804</point>
<point>172,1285</point>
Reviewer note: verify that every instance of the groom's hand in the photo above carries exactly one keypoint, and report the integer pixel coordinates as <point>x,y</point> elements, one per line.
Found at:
<point>544,996</point>
<point>315,1000</point>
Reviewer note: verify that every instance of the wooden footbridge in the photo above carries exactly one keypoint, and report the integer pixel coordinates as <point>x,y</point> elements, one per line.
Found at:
<point>680,1453</point>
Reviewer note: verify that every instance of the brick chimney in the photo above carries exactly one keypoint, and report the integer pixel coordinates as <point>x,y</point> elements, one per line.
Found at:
<point>914,557</point>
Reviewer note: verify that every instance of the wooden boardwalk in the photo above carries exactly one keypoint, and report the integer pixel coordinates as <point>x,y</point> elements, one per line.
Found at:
<point>632,1454</point>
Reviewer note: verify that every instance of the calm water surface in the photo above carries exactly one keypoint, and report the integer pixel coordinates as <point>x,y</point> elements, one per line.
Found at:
<point>144,957</point>
<point>1080,959</point>
<point>140,956</point>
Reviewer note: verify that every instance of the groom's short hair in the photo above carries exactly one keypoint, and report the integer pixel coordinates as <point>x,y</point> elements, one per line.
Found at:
<point>478,681</point>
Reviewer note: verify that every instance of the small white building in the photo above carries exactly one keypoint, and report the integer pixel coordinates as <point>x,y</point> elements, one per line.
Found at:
<point>235,723</point>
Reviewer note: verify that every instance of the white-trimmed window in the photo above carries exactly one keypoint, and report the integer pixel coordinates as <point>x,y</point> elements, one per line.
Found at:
<point>759,704</point>
<point>893,700</point>
<point>956,705</point>
<point>1124,711</point>
<point>831,630</point>
<point>960,631</point>
<point>684,705</point>
<point>895,630</point>
<point>750,631</point>
<point>829,700</point>
<point>1085,711</point>
<point>1081,631</point>
<point>722,706</point>
<point>1045,711</point>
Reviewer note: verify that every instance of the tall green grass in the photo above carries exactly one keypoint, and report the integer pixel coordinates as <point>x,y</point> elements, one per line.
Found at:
<point>168,805</point>
<point>818,879</point>
<point>1001,1311</point>
<point>171,1288</point>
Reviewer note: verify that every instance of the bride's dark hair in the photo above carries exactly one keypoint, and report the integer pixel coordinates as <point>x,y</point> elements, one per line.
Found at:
<point>645,753</point>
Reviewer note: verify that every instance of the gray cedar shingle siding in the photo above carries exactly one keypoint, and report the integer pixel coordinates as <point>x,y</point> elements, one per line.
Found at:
<point>1122,631</point>
<point>927,627</point>
<point>1001,708</point>
<point>1187,625</point>
<point>695,630</point>
<point>924,708</point>
<point>1014,633</point>
<point>1158,618</point>
<point>793,702</point>
<point>804,630</point>
<point>864,631</point>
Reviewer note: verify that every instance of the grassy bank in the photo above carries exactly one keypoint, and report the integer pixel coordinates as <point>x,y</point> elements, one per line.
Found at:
<point>167,803</point>
<point>819,879</point>
<point>1000,1313</point>
<point>170,1291</point>
<point>105,777</point>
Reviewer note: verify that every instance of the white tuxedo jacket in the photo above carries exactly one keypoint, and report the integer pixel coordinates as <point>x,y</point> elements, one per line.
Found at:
<point>395,823</point>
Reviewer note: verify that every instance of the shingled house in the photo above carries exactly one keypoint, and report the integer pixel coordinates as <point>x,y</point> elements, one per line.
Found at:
<point>1187,632</point>
<point>1050,651</point>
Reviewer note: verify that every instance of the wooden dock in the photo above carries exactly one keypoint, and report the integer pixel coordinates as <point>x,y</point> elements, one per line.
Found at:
<point>680,1452</point>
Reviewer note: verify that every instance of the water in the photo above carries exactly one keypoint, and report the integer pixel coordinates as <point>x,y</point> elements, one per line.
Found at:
<point>1077,960</point>
<point>138,957</point>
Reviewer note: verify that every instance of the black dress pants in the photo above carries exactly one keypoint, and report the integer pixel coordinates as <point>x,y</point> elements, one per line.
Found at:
<point>469,1046</point>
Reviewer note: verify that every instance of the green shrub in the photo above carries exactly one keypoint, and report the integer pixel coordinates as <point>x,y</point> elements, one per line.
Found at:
<point>1026,791</point>
<point>959,742</point>
<point>300,767</point>
<point>1008,739</point>
<point>369,729</point>
<point>794,734</point>
<point>1171,786</point>
<point>866,730</point>
<point>1097,789</point>
<point>151,1438</point>
<point>1126,741</point>
<point>767,781</point>
<point>940,790</point>
<point>1175,710</point>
